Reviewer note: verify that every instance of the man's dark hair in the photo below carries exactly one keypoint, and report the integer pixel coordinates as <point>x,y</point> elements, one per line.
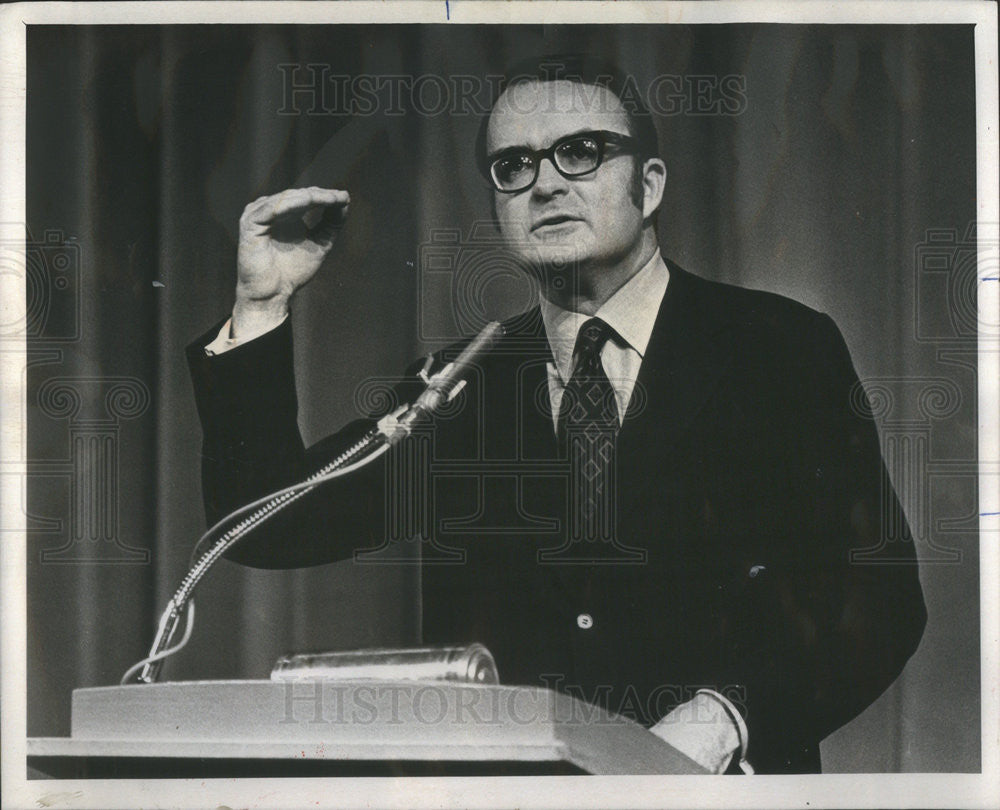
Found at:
<point>581,69</point>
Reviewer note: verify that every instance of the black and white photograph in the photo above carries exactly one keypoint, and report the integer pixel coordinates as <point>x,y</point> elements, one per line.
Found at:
<point>432,404</point>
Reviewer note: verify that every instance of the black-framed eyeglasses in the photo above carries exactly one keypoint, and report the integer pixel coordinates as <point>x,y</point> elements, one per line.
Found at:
<point>516,169</point>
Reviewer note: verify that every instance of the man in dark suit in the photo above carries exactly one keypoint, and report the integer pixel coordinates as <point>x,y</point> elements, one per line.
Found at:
<point>658,493</point>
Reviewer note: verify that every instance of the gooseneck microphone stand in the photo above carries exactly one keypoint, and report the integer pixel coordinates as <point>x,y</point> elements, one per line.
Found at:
<point>390,430</point>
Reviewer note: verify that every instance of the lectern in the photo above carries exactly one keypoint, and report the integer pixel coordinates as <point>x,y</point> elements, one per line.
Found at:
<point>309,727</point>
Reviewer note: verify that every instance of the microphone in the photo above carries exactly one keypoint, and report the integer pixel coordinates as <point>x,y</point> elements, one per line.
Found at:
<point>442,387</point>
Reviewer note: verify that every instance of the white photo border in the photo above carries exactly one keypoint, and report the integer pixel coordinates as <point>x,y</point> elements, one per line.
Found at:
<point>886,790</point>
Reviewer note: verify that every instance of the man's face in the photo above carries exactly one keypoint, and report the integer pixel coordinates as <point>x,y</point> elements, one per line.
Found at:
<point>592,220</point>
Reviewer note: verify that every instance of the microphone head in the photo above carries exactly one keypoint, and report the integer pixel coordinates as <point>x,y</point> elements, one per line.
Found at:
<point>481,344</point>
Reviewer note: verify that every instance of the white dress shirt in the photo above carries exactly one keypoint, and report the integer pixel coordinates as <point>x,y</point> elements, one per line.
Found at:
<point>630,312</point>
<point>224,342</point>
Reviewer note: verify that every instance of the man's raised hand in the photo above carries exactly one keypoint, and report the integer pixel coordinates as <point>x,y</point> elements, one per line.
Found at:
<point>284,239</point>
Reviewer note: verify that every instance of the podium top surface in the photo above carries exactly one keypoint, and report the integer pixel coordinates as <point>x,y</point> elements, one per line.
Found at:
<point>355,720</point>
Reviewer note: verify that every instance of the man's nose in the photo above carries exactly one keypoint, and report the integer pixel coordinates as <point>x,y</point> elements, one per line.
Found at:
<point>549,180</point>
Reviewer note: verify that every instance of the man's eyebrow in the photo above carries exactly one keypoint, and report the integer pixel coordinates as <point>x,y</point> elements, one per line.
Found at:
<point>525,148</point>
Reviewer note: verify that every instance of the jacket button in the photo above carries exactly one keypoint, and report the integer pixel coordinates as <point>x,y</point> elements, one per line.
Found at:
<point>584,621</point>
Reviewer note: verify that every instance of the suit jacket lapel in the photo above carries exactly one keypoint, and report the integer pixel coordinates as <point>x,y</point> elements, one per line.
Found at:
<point>527,347</point>
<point>689,350</point>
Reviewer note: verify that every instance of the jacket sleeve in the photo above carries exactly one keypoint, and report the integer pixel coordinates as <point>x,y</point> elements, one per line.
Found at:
<point>830,622</point>
<point>251,446</point>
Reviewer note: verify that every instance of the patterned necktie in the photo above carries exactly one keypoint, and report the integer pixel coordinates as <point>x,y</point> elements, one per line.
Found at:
<point>588,424</point>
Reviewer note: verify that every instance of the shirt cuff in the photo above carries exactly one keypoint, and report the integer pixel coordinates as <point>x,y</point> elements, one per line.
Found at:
<point>738,722</point>
<point>223,342</point>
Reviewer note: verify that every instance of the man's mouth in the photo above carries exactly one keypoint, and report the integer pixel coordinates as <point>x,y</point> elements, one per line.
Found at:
<point>554,219</point>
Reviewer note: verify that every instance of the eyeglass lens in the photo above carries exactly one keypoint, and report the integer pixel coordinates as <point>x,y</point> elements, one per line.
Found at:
<point>573,157</point>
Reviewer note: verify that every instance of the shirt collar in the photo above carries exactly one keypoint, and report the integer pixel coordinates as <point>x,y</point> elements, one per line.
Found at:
<point>630,312</point>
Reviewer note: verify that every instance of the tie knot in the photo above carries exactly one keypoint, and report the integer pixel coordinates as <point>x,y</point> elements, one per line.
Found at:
<point>591,338</point>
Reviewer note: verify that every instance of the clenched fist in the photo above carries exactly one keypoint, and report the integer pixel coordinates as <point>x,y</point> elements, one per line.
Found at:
<point>284,239</point>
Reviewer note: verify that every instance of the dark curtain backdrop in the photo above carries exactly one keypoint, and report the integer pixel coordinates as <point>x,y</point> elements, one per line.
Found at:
<point>144,144</point>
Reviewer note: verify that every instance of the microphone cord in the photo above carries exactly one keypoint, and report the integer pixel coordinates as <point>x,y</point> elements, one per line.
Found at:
<point>391,429</point>
<point>355,457</point>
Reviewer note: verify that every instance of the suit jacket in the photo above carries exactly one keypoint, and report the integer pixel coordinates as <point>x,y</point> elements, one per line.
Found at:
<point>758,547</point>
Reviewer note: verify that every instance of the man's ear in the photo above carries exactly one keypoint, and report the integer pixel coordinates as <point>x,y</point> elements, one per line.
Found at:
<point>654,180</point>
